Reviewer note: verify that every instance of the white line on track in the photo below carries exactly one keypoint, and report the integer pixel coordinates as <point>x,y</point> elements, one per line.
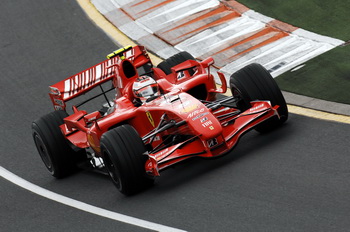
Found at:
<point>83,206</point>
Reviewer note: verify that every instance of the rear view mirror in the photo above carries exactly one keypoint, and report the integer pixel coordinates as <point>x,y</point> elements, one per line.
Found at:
<point>92,117</point>
<point>207,62</point>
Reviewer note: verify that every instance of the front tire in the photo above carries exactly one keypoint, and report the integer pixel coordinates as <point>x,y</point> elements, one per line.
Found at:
<point>123,155</point>
<point>254,82</point>
<point>59,158</point>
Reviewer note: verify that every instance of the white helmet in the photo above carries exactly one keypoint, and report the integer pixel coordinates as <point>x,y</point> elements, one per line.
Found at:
<point>145,87</point>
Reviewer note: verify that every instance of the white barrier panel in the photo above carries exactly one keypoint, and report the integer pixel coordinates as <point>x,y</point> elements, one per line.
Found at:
<point>232,34</point>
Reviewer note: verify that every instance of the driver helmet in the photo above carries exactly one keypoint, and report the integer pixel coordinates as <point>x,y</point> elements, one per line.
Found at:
<point>145,87</point>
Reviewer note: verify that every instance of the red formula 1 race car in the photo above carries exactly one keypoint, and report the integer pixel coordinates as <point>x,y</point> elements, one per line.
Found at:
<point>158,116</point>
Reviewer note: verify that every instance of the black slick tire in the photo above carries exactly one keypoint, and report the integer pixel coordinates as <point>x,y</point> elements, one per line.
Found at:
<point>254,82</point>
<point>123,155</point>
<point>174,60</point>
<point>56,153</point>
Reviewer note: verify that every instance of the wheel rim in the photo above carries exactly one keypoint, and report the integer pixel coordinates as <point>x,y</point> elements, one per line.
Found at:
<point>43,152</point>
<point>112,170</point>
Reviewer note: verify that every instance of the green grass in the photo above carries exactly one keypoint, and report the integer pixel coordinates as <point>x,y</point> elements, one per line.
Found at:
<point>329,18</point>
<point>325,77</point>
<point>328,75</point>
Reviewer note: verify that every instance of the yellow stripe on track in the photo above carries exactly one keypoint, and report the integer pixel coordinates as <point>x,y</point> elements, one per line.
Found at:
<point>109,28</point>
<point>311,113</point>
<point>123,40</point>
<point>319,114</point>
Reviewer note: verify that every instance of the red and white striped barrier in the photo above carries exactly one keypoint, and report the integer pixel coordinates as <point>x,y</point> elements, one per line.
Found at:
<point>228,31</point>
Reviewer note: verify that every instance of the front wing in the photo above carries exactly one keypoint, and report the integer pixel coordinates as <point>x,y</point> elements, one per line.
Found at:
<point>232,129</point>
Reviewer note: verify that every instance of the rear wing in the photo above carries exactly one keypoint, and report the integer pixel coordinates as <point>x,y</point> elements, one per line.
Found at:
<point>92,77</point>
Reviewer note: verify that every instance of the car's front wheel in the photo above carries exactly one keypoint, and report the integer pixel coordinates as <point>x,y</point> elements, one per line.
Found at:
<point>123,155</point>
<point>254,82</point>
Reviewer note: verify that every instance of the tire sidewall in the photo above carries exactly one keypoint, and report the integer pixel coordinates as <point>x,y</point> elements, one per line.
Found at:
<point>46,131</point>
<point>43,146</point>
<point>110,160</point>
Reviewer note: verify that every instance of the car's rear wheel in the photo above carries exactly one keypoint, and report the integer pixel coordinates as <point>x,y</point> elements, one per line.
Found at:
<point>123,155</point>
<point>174,60</point>
<point>254,82</point>
<point>58,156</point>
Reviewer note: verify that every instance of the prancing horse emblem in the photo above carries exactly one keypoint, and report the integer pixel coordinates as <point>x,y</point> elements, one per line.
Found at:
<point>150,119</point>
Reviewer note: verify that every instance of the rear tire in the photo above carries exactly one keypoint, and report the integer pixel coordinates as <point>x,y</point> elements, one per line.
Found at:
<point>254,82</point>
<point>123,155</point>
<point>174,60</point>
<point>59,158</point>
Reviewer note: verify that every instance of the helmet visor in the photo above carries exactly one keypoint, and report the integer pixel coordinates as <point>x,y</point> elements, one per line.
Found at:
<point>147,91</point>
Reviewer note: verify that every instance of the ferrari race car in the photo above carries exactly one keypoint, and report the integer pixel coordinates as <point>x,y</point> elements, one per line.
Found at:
<point>134,140</point>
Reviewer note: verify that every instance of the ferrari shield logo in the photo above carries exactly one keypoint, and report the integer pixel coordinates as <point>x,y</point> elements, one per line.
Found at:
<point>150,119</point>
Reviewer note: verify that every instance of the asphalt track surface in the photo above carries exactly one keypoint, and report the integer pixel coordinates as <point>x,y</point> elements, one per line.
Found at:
<point>296,178</point>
